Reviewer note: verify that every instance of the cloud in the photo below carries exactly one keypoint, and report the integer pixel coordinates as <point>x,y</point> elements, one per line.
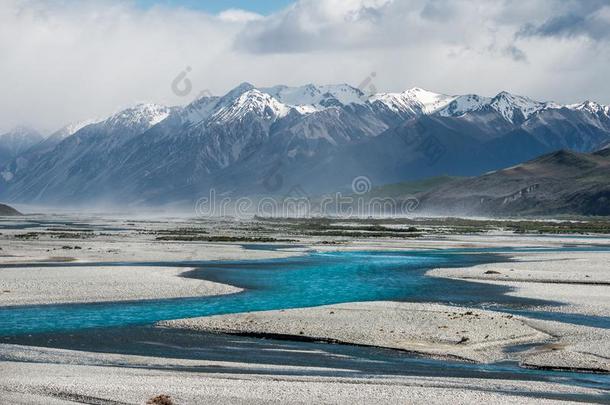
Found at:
<point>66,61</point>
<point>72,60</point>
<point>515,53</point>
<point>589,19</point>
<point>438,10</point>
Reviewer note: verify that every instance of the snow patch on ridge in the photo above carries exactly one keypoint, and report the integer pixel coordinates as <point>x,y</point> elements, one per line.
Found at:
<point>430,101</point>
<point>255,102</point>
<point>310,98</point>
<point>509,104</point>
<point>140,116</point>
<point>511,107</point>
<point>463,104</point>
<point>414,101</point>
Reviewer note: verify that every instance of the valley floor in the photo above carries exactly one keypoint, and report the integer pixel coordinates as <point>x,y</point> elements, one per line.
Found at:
<point>383,352</point>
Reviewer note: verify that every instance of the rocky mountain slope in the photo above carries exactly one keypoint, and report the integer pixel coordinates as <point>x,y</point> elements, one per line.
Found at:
<point>561,182</point>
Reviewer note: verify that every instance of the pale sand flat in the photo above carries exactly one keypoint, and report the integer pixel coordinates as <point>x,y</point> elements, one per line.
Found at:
<point>437,330</point>
<point>578,280</point>
<point>36,383</point>
<point>58,285</point>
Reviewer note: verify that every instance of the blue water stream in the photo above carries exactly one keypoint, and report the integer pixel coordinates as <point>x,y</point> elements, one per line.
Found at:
<point>304,281</point>
<point>315,279</point>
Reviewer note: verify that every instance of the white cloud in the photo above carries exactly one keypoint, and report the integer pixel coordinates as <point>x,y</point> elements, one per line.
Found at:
<point>70,60</point>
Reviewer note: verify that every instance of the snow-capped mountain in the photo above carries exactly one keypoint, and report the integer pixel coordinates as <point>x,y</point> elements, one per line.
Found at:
<point>33,153</point>
<point>512,108</point>
<point>17,141</point>
<point>591,107</point>
<point>316,137</point>
<point>71,128</point>
<point>252,102</point>
<point>430,102</point>
<point>517,109</point>
<point>82,156</point>
<point>316,97</point>
<point>462,104</point>
<point>136,119</point>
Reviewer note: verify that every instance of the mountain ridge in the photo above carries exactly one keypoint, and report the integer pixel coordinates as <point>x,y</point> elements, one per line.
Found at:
<point>559,183</point>
<point>314,137</point>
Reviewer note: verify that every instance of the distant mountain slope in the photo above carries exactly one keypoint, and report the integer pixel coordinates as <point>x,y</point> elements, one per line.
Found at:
<point>17,141</point>
<point>6,210</point>
<point>562,182</point>
<point>74,167</point>
<point>261,141</point>
<point>32,154</point>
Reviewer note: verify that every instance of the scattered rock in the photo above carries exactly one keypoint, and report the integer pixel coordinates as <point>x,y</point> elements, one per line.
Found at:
<point>160,400</point>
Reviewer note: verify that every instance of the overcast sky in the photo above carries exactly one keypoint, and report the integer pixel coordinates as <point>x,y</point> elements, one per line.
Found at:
<point>64,61</point>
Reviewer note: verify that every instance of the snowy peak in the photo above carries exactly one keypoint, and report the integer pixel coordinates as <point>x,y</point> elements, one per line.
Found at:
<point>238,91</point>
<point>206,106</point>
<point>20,132</point>
<point>199,110</point>
<point>302,95</point>
<point>430,101</point>
<point>343,93</point>
<point>71,129</point>
<point>515,108</point>
<point>591,107</point>
<point>414,101</point>
<point>19,139</point>
<point>252,102</point>
<point>397,102</point>
<point>316,97</point>
<point>138,118</point>
<point>463,104</point>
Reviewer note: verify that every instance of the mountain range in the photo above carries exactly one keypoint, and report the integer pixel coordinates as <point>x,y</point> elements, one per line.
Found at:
<point>268,141</point>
